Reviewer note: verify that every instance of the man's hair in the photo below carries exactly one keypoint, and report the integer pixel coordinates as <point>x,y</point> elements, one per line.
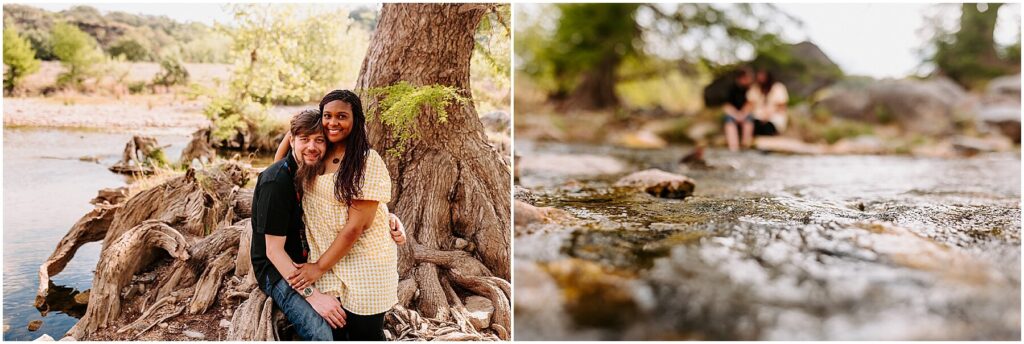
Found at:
<point>307,122</point>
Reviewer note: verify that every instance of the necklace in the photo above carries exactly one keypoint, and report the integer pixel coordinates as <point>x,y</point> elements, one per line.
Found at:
<point>336,160</point>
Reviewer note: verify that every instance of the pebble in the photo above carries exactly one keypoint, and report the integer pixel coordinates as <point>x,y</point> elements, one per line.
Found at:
<point>193,334</point>
<point>162,325</point>
<point>225,323</point>
<point>35,325</point>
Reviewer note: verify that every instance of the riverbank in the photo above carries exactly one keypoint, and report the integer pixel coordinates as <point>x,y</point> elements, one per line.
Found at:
<point>163,113</point>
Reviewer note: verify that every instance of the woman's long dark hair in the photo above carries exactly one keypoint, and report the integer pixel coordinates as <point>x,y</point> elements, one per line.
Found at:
<point>305,123</point>
<point>348,179</point>
<point>769,81</point>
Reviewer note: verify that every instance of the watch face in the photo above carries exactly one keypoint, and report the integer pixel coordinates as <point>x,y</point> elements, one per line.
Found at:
<point>307,292</point>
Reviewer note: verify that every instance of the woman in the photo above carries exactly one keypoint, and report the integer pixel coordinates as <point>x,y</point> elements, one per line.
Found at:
<point>352,254</point>
<point>769,98</point>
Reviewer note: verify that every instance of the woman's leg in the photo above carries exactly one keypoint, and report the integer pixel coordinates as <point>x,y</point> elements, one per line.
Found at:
<point>731,134</point>
<point>362,327</point>
<point>748,132</point>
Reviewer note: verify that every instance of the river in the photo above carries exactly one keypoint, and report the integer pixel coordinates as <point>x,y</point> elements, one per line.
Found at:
<point>47,188</point>
<point>770,247</point>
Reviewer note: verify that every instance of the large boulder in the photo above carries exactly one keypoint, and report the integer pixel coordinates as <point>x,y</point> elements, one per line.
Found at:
<point>999,109</point>
<point>927,107</point>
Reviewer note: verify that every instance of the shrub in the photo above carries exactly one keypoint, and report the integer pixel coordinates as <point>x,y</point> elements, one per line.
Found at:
<point>19,58</point>
<point>77,52</point>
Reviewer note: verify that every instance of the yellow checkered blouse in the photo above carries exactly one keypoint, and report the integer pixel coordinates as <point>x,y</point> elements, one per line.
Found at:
<point>365,279</point>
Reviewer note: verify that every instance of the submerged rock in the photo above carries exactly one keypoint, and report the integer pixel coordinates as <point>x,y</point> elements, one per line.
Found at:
<point>658,183</point>
<point>35,325</point>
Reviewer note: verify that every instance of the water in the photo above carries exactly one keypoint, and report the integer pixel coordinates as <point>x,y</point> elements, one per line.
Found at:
<point>774,247</point>
<point>46,189</point>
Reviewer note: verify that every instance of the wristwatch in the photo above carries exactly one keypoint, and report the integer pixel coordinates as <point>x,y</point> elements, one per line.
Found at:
<point>307,292</point>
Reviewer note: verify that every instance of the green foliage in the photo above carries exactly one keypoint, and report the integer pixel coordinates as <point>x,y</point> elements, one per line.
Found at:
<point>490,64</point>
<point>19,59</point>
<point>567,41</point>
<point>281,59</point>
<point>969,55</point>
<point>77,52</point>
<point>398,106</point>
<point>229,116</point>
<point>172,73</point>
<point>157,35</point>
<point>131,49</point>
<point>586,36</point>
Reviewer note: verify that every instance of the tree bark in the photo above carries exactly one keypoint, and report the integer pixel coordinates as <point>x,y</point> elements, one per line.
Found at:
<point>596,90</point>
<point>448,182</point>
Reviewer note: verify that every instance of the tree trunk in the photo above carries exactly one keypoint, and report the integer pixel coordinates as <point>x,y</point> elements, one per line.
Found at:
<point>448,183</point>
<point>596,90</point>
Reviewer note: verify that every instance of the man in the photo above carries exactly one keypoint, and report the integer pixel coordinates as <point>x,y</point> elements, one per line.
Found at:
<point>278,242</point>
<point>737,112</point>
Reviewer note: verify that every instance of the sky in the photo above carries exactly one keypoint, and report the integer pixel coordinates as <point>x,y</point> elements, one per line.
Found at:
<point>879,40</point>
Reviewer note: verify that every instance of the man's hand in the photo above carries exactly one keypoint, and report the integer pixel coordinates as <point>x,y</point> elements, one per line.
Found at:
<point>328,307</point>
<point>397,229</point>
<point>305,275</point>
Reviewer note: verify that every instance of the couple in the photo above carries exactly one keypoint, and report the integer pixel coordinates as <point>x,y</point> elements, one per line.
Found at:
<point>322,248</point>
<point>756,105</point>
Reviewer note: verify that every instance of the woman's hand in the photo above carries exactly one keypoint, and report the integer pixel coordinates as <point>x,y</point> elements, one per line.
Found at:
<point>397,229</point>
<point>305,275</point>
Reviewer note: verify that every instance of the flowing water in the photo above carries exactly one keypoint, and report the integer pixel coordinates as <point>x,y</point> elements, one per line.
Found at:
<point>47,188</point>
<point>770,247</point>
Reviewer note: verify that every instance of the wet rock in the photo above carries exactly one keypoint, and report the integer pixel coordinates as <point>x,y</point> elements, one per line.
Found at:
<point>787,145</point>
<point>44,338</point>
<point>527,214</point>
<point>569,164</point>
<point>539,310</point>
<point>658,183</point>
<point>35,325</point>
<point>524,194</point>
<point>480,311</point>
<point>194,334</point>
<point>641,140</point>
<point>82,298</point>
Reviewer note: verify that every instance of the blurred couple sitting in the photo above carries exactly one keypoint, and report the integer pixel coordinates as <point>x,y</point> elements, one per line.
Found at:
<point>755,105</point>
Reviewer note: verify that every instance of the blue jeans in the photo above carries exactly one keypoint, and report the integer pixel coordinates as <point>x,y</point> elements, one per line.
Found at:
<point>308,323</point>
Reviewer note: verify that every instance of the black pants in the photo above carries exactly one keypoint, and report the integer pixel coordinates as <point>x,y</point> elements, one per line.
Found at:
<point>361,327</point>
<point>764,128</point>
